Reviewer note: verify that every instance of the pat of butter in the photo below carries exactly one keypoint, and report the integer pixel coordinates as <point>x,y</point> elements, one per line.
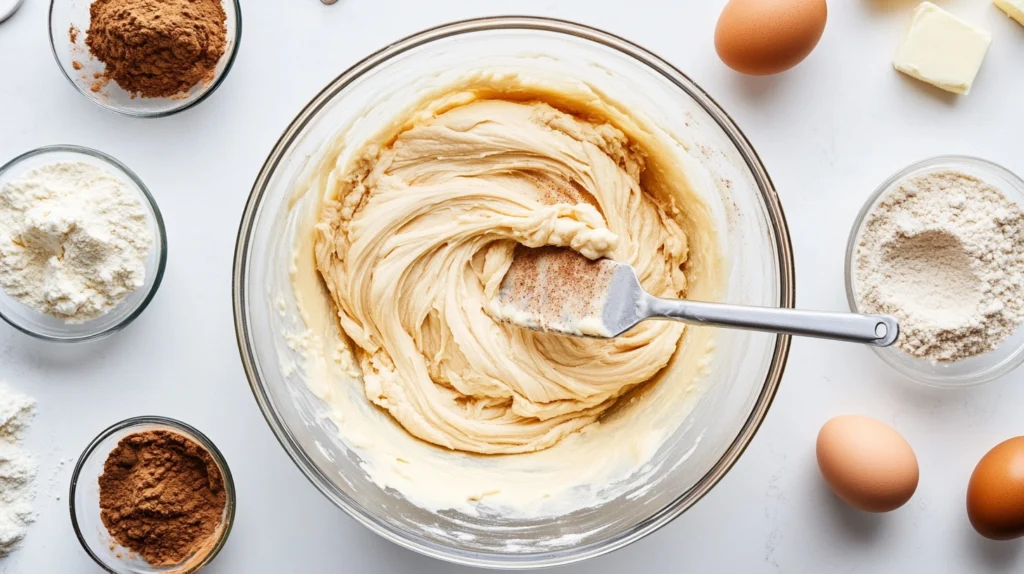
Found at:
<point>1013,8</point>
<point>941,49</point>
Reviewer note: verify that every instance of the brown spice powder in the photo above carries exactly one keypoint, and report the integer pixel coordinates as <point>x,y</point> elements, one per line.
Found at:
<point>157,48</point>
<point>161,496</point>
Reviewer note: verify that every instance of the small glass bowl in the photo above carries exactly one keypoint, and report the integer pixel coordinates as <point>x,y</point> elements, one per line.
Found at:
<point>49,328</point>
<point>85,500</point>
<point>9,10</point>
<point>973,370</point>
<point>85,72</point>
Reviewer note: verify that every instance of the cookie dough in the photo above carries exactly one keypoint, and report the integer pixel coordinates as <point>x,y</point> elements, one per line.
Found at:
<point>417,231</point>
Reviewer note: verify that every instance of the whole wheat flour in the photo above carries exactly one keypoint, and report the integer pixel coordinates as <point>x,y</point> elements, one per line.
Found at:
<point>73,240</point>
<point>944,254</point>
<point>17,469</point>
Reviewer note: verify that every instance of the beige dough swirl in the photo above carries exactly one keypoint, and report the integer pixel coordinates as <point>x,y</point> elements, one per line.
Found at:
<point>416,235</point>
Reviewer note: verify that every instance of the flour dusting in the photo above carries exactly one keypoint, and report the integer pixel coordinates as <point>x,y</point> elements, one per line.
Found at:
<point>17,469</point>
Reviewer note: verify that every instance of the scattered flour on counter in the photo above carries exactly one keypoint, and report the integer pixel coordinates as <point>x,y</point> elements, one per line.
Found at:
<point>73,240</point>
<point>944,253</point>
<point>18,469</point>
<point>55,485</point>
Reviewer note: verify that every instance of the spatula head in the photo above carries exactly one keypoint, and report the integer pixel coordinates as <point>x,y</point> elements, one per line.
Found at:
<point>555,289</point>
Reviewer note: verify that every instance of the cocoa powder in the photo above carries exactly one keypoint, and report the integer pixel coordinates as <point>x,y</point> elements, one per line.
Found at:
<point>157,48</point>
<point>161,496</point>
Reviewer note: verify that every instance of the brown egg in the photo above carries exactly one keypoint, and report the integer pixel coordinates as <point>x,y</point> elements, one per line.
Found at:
<point>995,495</point>
<point>867,463</point>
<point>763,37</point>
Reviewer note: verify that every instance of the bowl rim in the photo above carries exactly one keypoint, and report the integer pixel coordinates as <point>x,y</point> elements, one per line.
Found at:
<point>176,426</point>
<point>887,354</point>
<point>161,231</point>
<point>186,103</point>
<point>11,10</point>
<point>775,216</point>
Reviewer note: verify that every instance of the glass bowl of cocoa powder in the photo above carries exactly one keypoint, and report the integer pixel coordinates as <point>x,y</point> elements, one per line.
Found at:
<point>152,494</point>
<point>143,59</point>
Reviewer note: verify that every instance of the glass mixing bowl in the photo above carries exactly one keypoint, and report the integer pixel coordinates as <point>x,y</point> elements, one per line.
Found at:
<point>743,373</point>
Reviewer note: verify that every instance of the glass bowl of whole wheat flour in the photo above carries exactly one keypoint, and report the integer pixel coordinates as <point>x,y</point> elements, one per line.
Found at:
<point>940,245</point>
<point>660,470</point>
<point>35,322</point>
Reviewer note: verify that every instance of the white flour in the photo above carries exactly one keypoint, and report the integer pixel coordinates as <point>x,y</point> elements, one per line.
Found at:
<point>73,240</point>
<point>17,469</point>
<point>944,253</point>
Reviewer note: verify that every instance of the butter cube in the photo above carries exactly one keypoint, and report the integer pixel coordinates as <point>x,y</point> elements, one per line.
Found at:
<point>1013,8</point>
<point>941,49</point>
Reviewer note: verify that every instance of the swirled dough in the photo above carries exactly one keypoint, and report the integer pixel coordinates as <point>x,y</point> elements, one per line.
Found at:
<point>417,233</point>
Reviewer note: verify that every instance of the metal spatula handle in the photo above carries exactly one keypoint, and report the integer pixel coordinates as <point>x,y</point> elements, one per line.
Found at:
<point>879,330</point>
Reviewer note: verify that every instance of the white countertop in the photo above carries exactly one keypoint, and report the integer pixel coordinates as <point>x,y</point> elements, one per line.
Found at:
<point>829,131</point>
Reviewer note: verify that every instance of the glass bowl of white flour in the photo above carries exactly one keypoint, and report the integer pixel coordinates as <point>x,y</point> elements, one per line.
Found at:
<point>82,244</point>
<point>940,245</point>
